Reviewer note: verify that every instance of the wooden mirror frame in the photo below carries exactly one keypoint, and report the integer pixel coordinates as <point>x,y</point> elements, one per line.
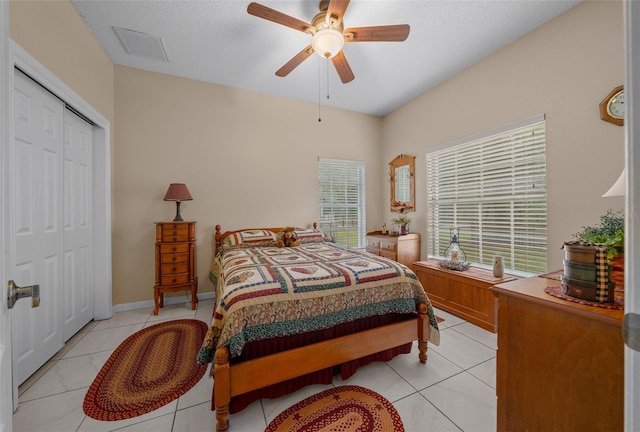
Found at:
<point>400,161</point>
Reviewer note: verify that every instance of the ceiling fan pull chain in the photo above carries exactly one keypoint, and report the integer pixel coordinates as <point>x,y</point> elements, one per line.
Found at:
<point>319,91</point>
<point>327,78</point>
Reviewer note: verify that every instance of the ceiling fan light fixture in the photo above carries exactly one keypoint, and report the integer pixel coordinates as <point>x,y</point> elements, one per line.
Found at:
<point>327,42</point>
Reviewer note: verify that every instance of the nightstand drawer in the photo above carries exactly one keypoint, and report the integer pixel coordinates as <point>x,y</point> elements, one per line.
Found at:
<point>178,267</point>
<point>174,258</point>
<point>174,232</point>
<point>175,279</point>
<point>174,248</point>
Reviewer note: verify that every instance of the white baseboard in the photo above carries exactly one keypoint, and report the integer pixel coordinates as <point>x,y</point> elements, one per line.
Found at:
<point>168,301</point>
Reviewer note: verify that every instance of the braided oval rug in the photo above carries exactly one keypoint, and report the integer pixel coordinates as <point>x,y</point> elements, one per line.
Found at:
<point>148,370</point>
<point>346,409</point>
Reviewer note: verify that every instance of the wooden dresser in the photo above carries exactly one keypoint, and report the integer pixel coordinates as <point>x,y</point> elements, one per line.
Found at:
<point>463,293</point>
<point>560,364</point>
<point>405,248</point>
<point>175,261</point>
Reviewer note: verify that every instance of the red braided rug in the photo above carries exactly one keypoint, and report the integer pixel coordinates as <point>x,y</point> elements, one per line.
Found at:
<point>148,370</point>
<point>345,409</point>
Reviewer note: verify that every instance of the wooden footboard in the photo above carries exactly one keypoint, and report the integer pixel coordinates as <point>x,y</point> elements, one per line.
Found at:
<point>250,375</point>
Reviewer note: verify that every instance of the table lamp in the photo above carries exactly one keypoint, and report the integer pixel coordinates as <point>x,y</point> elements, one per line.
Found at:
<point>178,192</point>
<point>619,187</point>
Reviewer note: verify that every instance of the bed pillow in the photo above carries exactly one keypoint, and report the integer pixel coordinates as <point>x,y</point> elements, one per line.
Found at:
<point>310,235</point>
<point>255,237</point>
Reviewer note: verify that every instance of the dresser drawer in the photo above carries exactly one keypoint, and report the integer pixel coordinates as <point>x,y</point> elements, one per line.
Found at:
<point>174,248</point>
<point>373,244</point>
<point>174,232</point>
<point>174,258</point>
<point>389,247</point>
<point>174,279</point>
<point>178,267</point>
<point>373,250</point>
<point>388,254</point>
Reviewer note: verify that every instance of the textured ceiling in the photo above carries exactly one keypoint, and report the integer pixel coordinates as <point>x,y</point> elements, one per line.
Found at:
<point>219,42</point>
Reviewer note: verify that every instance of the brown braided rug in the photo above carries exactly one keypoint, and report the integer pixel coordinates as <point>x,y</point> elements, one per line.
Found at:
<point>148,370</point>
<point>344,409</point>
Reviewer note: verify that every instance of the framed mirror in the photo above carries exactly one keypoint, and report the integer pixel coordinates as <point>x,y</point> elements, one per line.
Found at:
<point>402,180</point>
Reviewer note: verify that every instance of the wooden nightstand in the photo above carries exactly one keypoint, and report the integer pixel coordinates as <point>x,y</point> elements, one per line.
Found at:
<point>405,248</point>
<point>175,261</point>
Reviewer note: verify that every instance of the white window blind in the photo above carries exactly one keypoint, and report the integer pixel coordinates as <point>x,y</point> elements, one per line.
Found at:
<point>342,200</point>
<point>494,190</point>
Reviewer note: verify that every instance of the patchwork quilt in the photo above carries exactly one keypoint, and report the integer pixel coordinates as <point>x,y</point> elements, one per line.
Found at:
<point>266,291</point>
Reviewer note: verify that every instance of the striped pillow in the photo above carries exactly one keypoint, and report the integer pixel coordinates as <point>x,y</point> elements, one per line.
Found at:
<point>255,237</point>
<point>310,235</point>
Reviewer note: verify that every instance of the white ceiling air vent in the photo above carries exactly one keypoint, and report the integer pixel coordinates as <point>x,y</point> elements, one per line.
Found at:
<point>141,44</point>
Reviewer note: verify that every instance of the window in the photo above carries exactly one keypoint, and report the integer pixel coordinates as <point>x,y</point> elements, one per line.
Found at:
<point>342,205</point>
<point>493,188</point>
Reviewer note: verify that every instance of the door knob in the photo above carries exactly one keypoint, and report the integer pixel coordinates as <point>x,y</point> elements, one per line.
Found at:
<point>631,330</point>
<point>14,293</point>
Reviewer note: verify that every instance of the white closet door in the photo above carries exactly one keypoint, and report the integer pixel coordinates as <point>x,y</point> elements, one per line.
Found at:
<point>36,153</point>
<point>78,275</point>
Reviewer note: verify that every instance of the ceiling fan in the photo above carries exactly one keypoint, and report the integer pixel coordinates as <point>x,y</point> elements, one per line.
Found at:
<point>329,35</point>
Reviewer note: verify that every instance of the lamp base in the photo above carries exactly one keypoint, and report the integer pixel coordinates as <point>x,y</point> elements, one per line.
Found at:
<point>178,218</point>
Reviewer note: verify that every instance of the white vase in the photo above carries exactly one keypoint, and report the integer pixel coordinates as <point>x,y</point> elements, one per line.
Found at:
<point>498,269</point>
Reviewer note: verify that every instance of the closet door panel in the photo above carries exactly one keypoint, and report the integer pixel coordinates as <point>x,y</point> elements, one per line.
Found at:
<point>36,154</point>
<point>78,275</point>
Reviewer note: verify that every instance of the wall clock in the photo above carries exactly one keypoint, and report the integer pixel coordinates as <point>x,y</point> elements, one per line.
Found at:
<point>612,107</point>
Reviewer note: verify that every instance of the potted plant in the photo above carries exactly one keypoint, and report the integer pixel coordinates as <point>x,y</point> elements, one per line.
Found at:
<point>609,233</point>
<point>403,222</point>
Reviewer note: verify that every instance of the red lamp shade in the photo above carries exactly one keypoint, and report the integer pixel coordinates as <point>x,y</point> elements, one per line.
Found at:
<point>178,192</point>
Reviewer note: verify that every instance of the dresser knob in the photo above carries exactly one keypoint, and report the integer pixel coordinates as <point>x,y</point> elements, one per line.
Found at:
<point>174,248</point>
<point>174,258</point>
<point>174,269</point>
<point>174,281</point>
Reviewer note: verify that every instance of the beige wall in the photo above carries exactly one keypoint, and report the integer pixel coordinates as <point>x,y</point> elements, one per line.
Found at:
<point>248,159</point>
<point>53,32</point>
<point>563,69</point>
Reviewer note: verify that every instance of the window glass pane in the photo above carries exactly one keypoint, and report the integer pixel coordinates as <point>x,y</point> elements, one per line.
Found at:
<point>342,204</point>
<point>494,190</point>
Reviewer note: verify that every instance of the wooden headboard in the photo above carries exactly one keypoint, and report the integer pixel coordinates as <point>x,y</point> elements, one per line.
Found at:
<point>221,235</point>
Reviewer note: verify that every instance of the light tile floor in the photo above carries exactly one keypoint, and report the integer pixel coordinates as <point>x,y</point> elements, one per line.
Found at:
<point>454,391</point>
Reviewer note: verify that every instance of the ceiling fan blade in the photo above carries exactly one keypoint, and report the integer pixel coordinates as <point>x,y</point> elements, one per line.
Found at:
<point>389,33</point>
<point>267,13</point>
<point>342,67</point>
<point>337,8</point>
<point>295,62</point>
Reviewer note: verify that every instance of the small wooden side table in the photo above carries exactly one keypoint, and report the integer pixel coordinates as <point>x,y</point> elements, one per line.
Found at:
<point>404,248</point>
<point>175,261</point>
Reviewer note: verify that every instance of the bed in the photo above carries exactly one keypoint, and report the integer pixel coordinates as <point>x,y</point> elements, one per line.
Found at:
<point>288,317</point>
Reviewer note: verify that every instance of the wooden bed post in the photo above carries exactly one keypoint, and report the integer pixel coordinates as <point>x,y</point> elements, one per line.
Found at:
<point>222,391</point>
<point>217,239</point>
<point>423,332</point>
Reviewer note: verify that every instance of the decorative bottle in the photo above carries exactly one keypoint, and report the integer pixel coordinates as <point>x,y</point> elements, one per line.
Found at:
<point>384,228</point>
<point>498,268</point>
